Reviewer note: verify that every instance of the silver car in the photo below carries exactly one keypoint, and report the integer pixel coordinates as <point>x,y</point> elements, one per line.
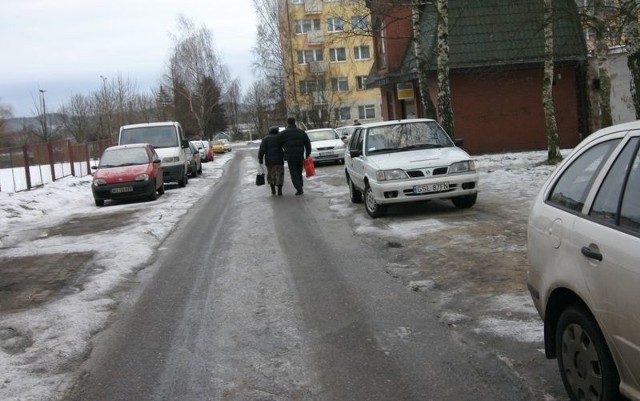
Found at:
<point>584,256</point>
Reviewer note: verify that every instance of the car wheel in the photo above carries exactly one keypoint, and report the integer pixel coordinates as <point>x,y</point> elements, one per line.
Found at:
<point>182,182</point>
<point>373,208</point>
<point>194,173</point>
<point>585,363</point>
<point>161,189</point>
<point>465,201</point>
<point>99,202</point>
<point>354,194</point>
<point>153,195</point>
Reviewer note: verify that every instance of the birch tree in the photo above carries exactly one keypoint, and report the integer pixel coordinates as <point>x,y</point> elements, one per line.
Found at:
<point>445,109</point>
<point>553,147</point>
<point>632,39</point>
<point>417,9</point>
<point>601,45</point>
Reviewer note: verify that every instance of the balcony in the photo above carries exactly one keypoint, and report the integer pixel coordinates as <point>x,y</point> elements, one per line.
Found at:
<point>315,37</point>
<point>313,6</point>
<point>317,67</point>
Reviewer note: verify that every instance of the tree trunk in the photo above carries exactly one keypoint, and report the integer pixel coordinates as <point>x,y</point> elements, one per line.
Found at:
<point>422,65</point>
<point>445,109</point>
<point>553,147</point>
<point>601,50</point>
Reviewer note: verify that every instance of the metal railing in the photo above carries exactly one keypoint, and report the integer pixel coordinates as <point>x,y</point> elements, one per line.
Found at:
<point>25,167</point>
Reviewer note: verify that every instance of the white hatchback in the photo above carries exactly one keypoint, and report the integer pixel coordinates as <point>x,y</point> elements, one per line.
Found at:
<point>326,145</point>
<point>584,255</point>
<point>407,161</point>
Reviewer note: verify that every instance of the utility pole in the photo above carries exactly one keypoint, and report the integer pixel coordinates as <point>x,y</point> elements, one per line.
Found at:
<point>44,117</point>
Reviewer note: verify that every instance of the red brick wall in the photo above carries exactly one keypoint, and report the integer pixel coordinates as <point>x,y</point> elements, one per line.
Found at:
<point>502,111</point>
<point>497,112</point>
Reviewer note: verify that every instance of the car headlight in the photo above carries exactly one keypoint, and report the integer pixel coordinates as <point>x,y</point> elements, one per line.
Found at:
<point>173,159</point>
<point>340,146</point>
<point>462,167</point>
<point>142,177</point>
<point>99,181</point>
<point>387,175</point>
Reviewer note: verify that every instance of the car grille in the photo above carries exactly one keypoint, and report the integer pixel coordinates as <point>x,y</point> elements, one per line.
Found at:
<point>326,148</point>
<point>427,172</point>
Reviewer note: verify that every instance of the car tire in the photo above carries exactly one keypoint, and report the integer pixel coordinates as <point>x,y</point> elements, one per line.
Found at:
<point>194,172</point>
<point>182,182</point>
<point>161,189</point>
<point>465,201</point>
<point>153,195</point>
<point>200,169</point>
<point>373,208</point>
<point>584,360</point>
<point>99,202</point>
<point>354,194</point>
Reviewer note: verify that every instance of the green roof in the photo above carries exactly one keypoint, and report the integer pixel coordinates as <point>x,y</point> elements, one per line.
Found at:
<point>497,33</point>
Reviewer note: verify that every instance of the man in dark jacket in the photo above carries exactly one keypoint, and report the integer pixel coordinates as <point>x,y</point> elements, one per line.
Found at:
<point>271,152</point>
<point>296,146</point>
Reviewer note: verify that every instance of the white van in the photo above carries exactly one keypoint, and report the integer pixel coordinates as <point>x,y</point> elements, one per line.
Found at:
<point>168,140</point>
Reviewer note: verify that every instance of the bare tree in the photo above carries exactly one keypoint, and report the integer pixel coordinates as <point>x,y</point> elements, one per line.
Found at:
<point>445,109</point>
<point>194,62</point>
<point>631,11</point>
<point>5,113</point>
<point>258,103</point>
<point>233,105</point>
<point>553,146</point>
<point>78,118</point>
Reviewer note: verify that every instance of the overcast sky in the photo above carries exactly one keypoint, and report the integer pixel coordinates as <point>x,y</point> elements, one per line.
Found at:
<point>64,46</point>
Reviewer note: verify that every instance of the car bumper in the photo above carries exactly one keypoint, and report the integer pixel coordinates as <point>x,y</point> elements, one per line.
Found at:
<point>124,190</point>
<point>173,172</point>
<point>327,156</point>
<point>405,190</point>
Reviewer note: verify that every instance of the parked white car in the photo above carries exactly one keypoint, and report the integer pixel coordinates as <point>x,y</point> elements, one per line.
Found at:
<point>584,257</point>
<point>407,161</point>
<point>326,145</point>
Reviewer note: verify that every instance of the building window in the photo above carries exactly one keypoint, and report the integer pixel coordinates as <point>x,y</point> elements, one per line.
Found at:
<point>307,56</point>
<point>337,54</point>
<point>311,86</point>
<point>361,82</point>
<point>359,23</point>
<point>340,84</point>
<point>343,113</point>
<point>297,1</point>
<point>361,53</point>
<point>307,25</point>
<point>335,24</point>
<point>367,111</point>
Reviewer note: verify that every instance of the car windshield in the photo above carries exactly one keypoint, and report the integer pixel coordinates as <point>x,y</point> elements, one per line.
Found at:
<point>158,137</point>
<point>124,157</point>
<point>322,135</point>
<point>407,136</point>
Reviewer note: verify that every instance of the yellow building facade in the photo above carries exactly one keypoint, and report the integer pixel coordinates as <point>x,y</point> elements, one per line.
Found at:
<point>328,49</point>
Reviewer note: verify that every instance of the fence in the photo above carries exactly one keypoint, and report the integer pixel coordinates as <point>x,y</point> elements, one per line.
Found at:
<point>23,168</point>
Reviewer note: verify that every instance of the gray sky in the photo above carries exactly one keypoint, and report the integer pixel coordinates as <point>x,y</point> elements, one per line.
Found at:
<point>64,46</point>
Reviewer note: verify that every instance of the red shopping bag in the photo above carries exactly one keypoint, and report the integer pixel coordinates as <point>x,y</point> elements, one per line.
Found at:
<point>309,167</point>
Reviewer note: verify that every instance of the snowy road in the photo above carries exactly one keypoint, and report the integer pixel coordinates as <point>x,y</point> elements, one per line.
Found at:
<point>256,297</point>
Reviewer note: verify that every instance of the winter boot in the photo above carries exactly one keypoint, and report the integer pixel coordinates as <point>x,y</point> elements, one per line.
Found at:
<point>273,189</point>
<point>279,190</point>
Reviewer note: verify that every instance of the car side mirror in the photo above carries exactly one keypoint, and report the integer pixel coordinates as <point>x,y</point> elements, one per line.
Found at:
<point>185,143</point>
<point>94,167</point>
<point>459,142</point>
<point>355,153</point>
<point>156,161</point>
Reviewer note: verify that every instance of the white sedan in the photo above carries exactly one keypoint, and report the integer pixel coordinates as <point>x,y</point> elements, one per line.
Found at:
<point>407,161</point>
<point>326,145</point>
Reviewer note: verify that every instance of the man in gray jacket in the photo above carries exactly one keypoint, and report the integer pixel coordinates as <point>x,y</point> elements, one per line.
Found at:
<point>296,146</point>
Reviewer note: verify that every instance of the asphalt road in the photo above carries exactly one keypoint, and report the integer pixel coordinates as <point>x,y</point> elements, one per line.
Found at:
<point>255,297</point>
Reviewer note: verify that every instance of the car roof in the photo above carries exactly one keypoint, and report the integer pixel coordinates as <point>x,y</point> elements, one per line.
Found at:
<point>156,124</point>
<point>394,122</point>
<point>131,145</point>
<point>320,129</point>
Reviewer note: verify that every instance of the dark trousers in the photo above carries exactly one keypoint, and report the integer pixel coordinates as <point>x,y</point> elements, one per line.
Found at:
<point>295,170</point>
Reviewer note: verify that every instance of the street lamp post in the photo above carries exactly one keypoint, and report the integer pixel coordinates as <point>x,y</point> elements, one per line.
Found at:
<point>44,116</point>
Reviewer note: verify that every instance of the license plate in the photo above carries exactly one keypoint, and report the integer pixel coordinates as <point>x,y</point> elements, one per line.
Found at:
<point>426,188</point>
<point>121,190</point>
<point>325,154</point>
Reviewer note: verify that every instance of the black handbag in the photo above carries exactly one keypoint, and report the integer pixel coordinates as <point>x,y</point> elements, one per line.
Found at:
<point>260,176</point>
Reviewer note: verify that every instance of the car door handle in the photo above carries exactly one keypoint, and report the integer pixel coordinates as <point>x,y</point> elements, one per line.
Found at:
<point>590,253</point>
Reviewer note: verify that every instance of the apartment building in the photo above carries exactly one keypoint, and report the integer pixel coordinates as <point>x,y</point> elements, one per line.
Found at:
<point>328,50</point>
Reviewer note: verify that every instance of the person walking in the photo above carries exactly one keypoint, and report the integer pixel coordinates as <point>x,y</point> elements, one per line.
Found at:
<point>273,156</point>
<point>297,147</point>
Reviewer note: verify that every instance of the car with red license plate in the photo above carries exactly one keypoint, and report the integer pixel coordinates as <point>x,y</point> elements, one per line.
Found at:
<point>583,243</point>
<point>131,171</point>
<point>394,162</point>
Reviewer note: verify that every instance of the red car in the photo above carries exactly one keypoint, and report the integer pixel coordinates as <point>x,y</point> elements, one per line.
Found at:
<point>126,172</point>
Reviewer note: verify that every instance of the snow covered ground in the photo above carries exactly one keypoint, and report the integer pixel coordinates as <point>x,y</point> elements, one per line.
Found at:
<point>37,345</point>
